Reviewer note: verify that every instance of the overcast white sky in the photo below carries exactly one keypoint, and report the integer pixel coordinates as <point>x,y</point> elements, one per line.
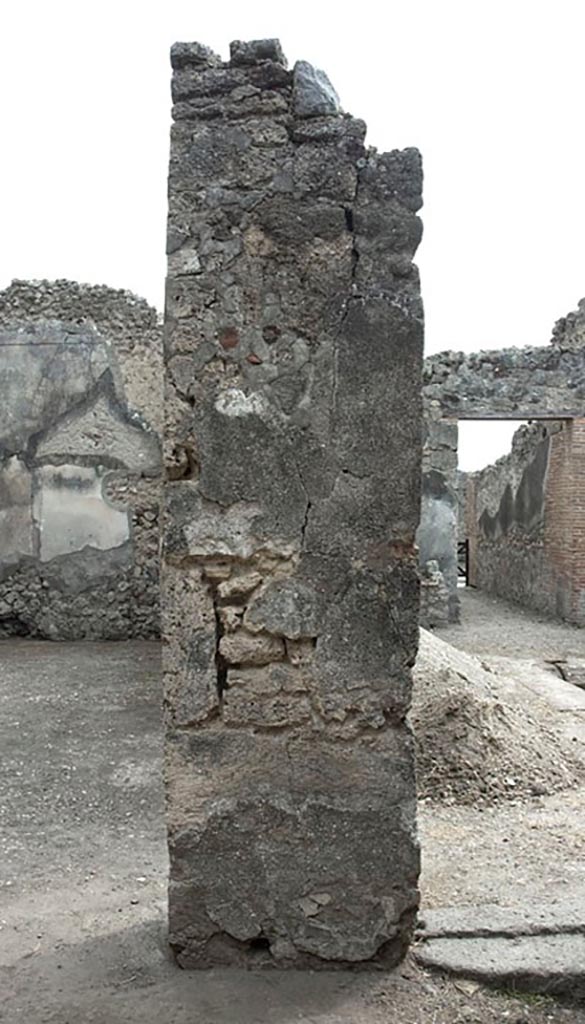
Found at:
<point>490,91</point>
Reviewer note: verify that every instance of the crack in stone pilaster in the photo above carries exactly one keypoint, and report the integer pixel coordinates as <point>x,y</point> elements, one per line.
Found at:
<point>309,504</point>
<point>305,524</point>
<point>353,296</point>
<point>221,668</point>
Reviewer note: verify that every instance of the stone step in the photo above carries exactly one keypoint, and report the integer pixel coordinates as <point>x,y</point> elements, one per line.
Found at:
<point>535,949</point>
<point>490,919</point>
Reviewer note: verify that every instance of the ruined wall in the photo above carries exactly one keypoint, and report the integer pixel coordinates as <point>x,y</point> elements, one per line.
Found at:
<point>80,462</point>
<point>565,522</point>
<point>293,357</point>
<point>513,383</point>
<point>470,520</point>
<point>438,530</point>
<point>526,516</point>
<point>461,505</point>
<point>434,597</point>
<point>509,383</point>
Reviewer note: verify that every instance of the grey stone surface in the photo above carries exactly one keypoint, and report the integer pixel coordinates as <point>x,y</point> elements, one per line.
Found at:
<point>256,50</point>
<point>44,372</point>
<point>537,948</point>
<point>434,597</point>
<point>569,332</point>
<point>80,461</point>
<point>548,964</point>
<point>489,920</point>
<point>437,533</point>
<point>573,671</point>
<point>313,94</point>
<point>285,608</point>
<point>293,326</point>
<point>193,55</point>
<point>438,530</point>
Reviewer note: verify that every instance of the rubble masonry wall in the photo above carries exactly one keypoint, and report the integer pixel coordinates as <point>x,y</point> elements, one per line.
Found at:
<point>536,382</point>
<point>293,349</point>
<point>80,462</point>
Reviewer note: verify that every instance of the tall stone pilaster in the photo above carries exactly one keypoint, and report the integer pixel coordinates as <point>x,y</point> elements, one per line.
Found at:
<point>293,464</point>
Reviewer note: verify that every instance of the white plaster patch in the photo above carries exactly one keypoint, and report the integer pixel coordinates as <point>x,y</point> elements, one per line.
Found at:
<point>234,402</point>
<point>185,261</point>
<point>72,514</point>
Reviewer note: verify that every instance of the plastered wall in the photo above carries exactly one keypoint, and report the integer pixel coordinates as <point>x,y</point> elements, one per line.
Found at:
<point>80,422</point>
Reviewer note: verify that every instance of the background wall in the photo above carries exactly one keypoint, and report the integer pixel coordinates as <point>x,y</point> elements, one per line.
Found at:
<point>437,532</point>
<point>527,383</point>
<point>80,421</point>
<point>525,520</point>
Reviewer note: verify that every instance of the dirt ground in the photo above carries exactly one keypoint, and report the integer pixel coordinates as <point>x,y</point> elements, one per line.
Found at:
<point>491,626</point>
<point>481,737</point>
<point>83,866</point>
<point>518,851</point>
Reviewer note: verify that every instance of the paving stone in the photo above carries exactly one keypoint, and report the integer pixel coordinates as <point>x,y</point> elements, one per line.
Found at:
<point>493,920</point>
<point>549,964</point>
<point>538,948</point>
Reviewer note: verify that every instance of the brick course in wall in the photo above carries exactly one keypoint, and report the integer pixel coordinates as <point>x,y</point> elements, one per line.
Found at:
<point>564,535</point>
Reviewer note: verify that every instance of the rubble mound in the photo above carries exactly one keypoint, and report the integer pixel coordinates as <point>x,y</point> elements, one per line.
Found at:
<point>476,741</point>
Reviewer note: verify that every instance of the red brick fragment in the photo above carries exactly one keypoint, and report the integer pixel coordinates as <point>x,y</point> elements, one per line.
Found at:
<point>229,338</point>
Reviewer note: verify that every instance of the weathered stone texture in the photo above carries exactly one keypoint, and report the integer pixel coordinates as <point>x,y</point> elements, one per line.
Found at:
<point>80,462</point>
<point>292,449</point>
<point>434,597</point>
<point>438,530</point>
<point>461,505</point>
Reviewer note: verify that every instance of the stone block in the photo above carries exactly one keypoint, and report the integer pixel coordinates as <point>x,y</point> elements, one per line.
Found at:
<point>284,607</point>
<point>243,648</point>
<point>299,815</point>
<point>313,94</point>
<point>193,55</point>
<point>271,697</point>
<point>256,50</point>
